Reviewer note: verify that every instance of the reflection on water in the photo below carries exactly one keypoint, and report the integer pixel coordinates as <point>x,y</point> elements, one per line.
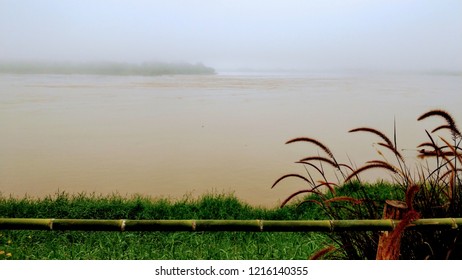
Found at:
<point>169,136</point>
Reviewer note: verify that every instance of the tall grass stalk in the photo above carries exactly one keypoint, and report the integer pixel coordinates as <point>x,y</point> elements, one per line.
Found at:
<point>434,192</point>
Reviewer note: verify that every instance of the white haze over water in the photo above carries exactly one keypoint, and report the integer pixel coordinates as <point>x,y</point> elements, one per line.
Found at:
<point>228,35</point>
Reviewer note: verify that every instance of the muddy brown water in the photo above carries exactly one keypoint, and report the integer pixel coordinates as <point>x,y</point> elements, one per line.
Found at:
<point>171,136</point>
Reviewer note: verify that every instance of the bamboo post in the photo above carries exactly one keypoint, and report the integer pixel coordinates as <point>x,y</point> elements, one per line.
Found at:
<point>393,210</point>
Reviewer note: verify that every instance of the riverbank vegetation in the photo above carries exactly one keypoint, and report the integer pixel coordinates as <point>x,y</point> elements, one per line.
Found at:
<point>150,245</point>
<point>29,244</point>
<point>107,68</point>
<point>431,190</point>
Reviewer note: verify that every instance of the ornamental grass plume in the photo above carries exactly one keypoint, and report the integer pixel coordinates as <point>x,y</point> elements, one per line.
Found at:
<point>393,243</point>
<point>323,252</point>
<point>428,192</point>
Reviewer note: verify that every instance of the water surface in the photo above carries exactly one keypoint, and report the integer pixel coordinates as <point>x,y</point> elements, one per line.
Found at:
<point>170,136</point>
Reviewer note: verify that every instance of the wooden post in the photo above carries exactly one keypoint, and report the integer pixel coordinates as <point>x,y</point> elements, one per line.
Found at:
<point>387,249</point>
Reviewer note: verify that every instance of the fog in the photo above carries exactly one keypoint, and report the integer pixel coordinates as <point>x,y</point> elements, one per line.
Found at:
<point>229,35</point>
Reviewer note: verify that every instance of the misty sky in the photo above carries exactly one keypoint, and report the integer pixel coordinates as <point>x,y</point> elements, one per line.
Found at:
<point>288,34</point>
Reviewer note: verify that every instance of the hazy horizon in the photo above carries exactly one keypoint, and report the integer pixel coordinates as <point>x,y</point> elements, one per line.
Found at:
<point>92,67</point>
<point>238,35</point>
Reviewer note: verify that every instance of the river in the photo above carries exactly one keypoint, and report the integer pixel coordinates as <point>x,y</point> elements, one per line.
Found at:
<point>186,135</point>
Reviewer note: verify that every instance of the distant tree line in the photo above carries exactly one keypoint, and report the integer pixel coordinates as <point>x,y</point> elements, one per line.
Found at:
<point>107,68</point>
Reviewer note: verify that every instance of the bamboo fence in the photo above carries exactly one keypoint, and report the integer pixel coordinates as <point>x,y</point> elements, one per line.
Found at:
<point>223,225</point>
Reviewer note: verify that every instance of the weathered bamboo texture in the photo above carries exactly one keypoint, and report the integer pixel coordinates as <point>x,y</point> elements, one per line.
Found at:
<point>393,209</point>
<point>223,225</point>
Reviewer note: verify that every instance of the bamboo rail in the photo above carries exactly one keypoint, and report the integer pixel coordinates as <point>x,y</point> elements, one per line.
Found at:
<point>223,225</point>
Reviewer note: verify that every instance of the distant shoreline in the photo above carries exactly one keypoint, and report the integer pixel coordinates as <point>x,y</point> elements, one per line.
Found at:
<point>107,68</point>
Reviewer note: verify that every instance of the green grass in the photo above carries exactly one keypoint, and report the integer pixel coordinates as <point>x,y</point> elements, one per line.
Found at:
<point>30,245</point>
<point>150,245</point>
<point>76,245</point>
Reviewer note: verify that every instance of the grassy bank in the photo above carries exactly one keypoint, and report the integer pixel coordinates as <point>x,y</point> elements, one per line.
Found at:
<point>150,245</point>
<point>157,245</point>
<point>162,246</point>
